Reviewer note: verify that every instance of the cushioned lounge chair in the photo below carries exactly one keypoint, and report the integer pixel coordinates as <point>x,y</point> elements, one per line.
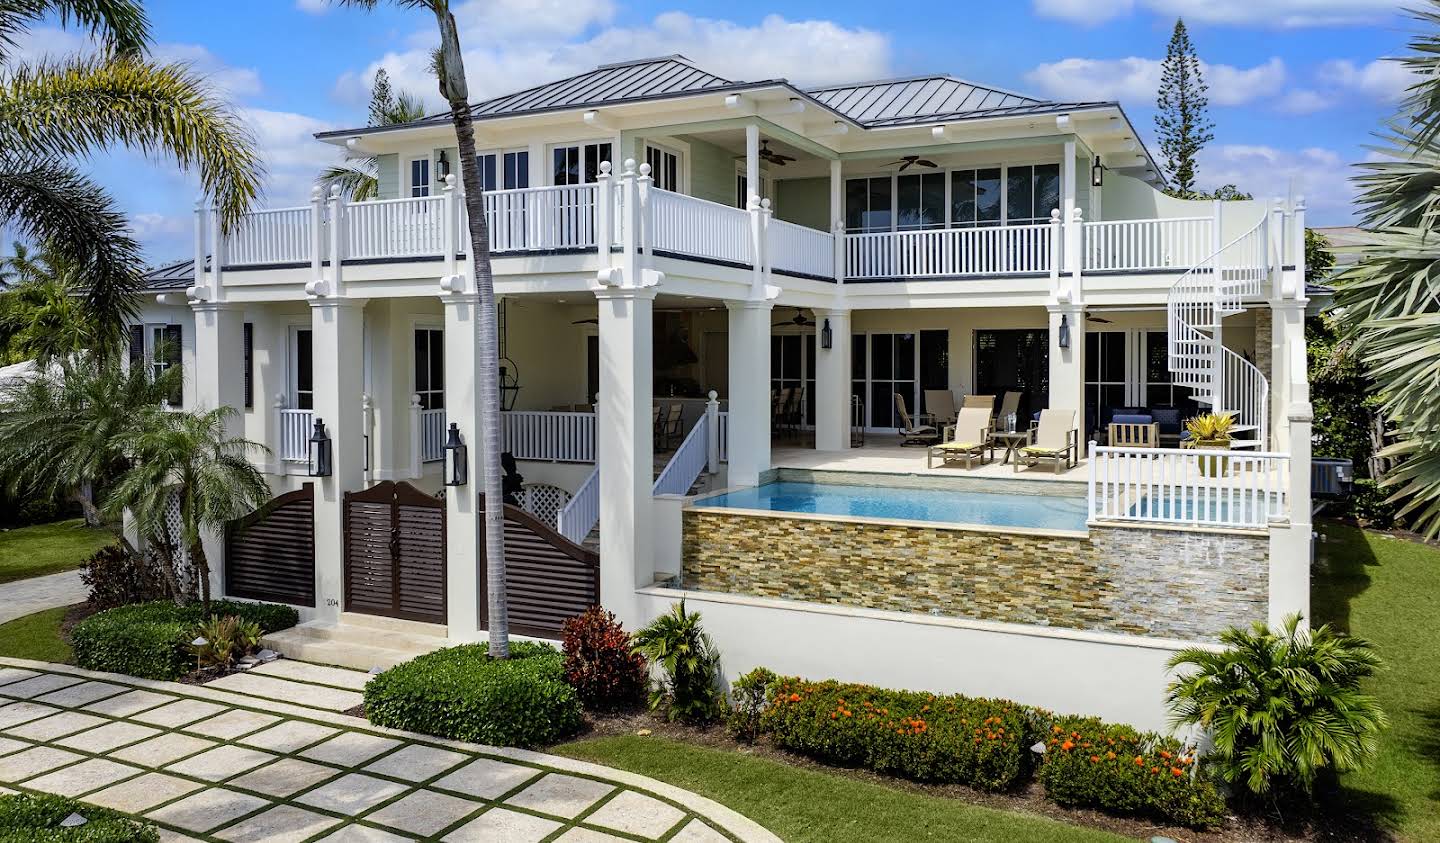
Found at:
<point>967,440</point>
<point>1054,437</point>
<point>1133,431</point>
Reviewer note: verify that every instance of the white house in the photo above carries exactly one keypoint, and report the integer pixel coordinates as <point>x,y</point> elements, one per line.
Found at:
<point>660,236</point>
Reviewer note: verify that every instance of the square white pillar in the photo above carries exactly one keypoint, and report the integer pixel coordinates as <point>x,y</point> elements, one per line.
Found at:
<point>463,527</point>
<point>337,326</point>
<point>1067,365</point>
<point>832,382</point>
<point>625,447</point>
<point>749,426</point>
<point>218,377</point>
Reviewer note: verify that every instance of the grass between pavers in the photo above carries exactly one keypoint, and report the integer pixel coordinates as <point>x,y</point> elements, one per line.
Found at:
<point>412,785</point>
<point>1387,589</point>
<point>36,637</point>
<point>800,804</point>
<point>42,549</point>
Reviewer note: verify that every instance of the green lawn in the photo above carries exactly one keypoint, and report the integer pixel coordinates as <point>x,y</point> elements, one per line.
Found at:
<point>48,548</point>
<point>35,637</point>
<point>1388,590</point>
<point>807,805</point>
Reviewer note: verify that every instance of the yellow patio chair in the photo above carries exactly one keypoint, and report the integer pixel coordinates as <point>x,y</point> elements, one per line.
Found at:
<point>968,439</point>
<point>1054,437</point>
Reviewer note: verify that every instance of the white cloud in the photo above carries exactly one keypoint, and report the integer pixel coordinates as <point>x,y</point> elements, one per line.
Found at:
<point>313,7</point>
<point>291,155</point>
<point>1136,80</point>
<point>1318,174</point>
<point>1289,14</point>
<point>228,80</point>
<point>1383,79</point>
<point>1304,101</point>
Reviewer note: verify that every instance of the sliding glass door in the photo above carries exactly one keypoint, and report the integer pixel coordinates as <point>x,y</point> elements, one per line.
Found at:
<point>884,365</point>
<point>1014,361</point>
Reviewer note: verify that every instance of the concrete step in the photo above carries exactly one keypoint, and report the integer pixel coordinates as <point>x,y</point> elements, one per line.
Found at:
<point>339,653</point>
<point>358,641</point>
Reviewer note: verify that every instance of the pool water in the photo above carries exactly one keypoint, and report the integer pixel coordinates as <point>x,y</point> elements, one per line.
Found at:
<point>1045,512</point>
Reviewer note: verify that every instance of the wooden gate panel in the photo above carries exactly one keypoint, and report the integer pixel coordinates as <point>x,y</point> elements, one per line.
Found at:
<point>548,578</point>
<point>270,553</point>
<point>422,551</point>
<point>395,553</point>
<point>369,564</point>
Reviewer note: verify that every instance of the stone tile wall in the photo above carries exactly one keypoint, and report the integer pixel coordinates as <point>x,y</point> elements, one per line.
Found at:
<point>1167,583</point>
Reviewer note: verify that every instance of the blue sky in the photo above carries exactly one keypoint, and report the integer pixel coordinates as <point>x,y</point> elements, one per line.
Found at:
<point>1296,85</point>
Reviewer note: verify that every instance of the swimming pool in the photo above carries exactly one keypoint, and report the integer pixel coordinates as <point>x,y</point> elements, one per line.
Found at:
<point>888,503</point>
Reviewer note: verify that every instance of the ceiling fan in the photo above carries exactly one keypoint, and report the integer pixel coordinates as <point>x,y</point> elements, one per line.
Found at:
<point>910,160</point>
<point>769,155</point>
<point>1097,319</point>
<point>799,320</point>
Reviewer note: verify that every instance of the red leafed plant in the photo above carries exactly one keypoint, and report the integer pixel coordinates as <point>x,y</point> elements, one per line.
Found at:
<point>600,663</point>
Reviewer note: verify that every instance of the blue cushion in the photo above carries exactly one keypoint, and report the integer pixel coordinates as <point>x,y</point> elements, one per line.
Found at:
<point>1131,418</point>
<point>1168,418</point>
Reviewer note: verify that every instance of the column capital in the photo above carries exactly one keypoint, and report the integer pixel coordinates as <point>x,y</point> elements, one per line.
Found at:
<point>215,307</point>
<point>1067,308</point>
<point>458,299</point>
<point>336,303</point>
<point>636,293</point>
<point>749,304</point>
<point>833,312</point>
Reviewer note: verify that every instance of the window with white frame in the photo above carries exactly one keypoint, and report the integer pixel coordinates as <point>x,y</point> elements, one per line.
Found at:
<point>975,197</point>
<point>419,174</point>
<point>430,367</point>
<point>158,347</point>
<point>964,197</point>
<point>504,170</point>
<point>742,188</point>
<point>578,163</point>
<point>302,369</point>
<point>664,167</point>
<point>919,201</point>
<point>1031,192</point>
<point>870,204</point>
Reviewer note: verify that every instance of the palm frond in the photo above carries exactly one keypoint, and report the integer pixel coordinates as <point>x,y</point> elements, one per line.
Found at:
<point>356,183</point>
<point>76,106</point>
<point>120,25</point>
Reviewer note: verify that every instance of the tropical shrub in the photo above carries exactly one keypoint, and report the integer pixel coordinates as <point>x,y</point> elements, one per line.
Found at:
<point>152,640</point>
<point>226,639</point>
<point>1281,705</point>
<point>690,691</point>
<point>1092,764</point>
<point>36,818</point>
<point>918,735</point>
<point>600,662</point>
<point>1372,505</point>
<point>117,577</point>
<point>463,694</point>
<point>747,703</point>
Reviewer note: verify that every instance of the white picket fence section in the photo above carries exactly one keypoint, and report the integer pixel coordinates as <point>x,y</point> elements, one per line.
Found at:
<point>277,235</point>
<point>699,228</point>
<point>686,463</point>
<point>432,435</point>
<point>796,248</point>
<point>537,219</point>
<point>295,429</point>
<point>395,228</point>
<point>548,436</point>
<point>1188,486</point>
<point>950,252</point>
<point>582,513</point>
<point>1139,245</point>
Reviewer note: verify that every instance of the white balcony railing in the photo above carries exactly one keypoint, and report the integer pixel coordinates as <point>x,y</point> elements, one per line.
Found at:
<point>685,465</point>
<point>277,235</point>
<point>796,248</point>
<point>950,252</point>
<point>1139,245</point>
<point>1188,487</point>
<point>395,228</point>
<point>537,219</point>
<point>432,435</point>
<point>553,437</point>
<point>688,226</point>
<point>295,429</point>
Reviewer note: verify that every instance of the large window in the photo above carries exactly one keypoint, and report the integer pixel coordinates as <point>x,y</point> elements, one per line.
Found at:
<point>504,170</point>
<point>579,163</point>
<point>869,204</point>
<point>664,167</point>
<point>975,197</point>
<point>920,201</point>
<point>430,368</point>
<point>419,177</point>
<point>302,375</point>
<point>158,347</point>
<point>792,366</point>
<point>1014,361</point>
<point>960,198</point>
<point>1105,374</point>
<point>1032,192</point>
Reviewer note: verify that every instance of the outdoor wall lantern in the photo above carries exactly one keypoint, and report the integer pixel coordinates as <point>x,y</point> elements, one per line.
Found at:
<point>1064,332</point>
<point>444,165</point>
<point>457,466</point>
<point>1097,174</point>
<point>319,451</point>
<point>826,337</point>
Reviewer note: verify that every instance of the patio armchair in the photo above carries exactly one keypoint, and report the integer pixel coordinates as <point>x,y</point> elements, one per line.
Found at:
<point>968,439</point>
<point>940,404</point>
<point>910,433</point>
<point>674,425</point>
<point>1009,406</point>
<point>1133,431</point>
<point>1054,437</point>
<point>986,401</point>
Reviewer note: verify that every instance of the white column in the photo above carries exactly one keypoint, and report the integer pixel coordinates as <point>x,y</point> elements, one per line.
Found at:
<point>749,431</point>
<point>832,383</point>
<point>337,326</point>
<point>1290,548</point>
<point>625,446</point>
<point>463,597</point>
<point>219,378</point>
<point>837,218</point>
<point>1067,365</point>
<point>752,160</point>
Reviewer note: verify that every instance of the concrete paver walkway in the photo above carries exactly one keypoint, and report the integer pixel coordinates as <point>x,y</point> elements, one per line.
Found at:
<point>213,765</point>
<point>26,597</point>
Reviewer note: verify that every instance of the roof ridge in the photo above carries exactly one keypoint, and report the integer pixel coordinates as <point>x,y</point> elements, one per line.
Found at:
<point>924,77</point>
<point>650,60</point>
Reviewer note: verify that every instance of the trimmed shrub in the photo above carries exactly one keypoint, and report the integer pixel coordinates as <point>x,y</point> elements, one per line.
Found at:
<point>748,695</point>
<point>463,694</point>
<point>926,737</point>
<point>600,663</point>
<point>1092,764</point>
<point>37,818</point>
<point>152,640</point>
<point>117,577</point>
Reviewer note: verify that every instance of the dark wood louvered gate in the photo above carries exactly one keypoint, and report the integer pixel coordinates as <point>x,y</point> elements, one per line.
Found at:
<point>270,553</point>
<point>548,578</point>
<point>395,553</point>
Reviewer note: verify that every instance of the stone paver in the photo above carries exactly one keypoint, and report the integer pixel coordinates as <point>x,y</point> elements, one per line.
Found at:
<point>297,693</point>
<point>202,763</point>
<point>335,677</point>
<point>28,596</point>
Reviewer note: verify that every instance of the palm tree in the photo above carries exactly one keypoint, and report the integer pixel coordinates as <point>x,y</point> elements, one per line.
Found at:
<point>190,459</point>
<point>357,181</point>
<point>60,430</point>
<point>1389,301</point>
<point>61,109</point>
<point>450,69</point>
<point>41,318</point>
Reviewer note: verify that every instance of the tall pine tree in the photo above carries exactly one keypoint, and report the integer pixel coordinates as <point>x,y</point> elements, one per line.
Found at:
<point>1181,119</point>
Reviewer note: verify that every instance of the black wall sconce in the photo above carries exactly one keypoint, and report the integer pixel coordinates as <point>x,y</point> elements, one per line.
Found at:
<point>1064,332</point>
<point>457,466</point>
<point>826,337</point>
<point>1097,174</point>
<point>443,164</point>
<point>319,451</point>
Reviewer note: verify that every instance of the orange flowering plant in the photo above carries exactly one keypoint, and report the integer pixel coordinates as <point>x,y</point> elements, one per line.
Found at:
<point>1117,768</point>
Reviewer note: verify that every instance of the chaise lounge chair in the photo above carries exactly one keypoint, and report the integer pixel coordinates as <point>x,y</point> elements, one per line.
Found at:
<point>1054,437</point>
<point>968,439</point>
<point>910,433</point>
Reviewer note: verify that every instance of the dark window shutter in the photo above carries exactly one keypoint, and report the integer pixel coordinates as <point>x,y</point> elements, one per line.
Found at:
<point>137,345</point>
<point>249,340</point>
<point>172,360</point>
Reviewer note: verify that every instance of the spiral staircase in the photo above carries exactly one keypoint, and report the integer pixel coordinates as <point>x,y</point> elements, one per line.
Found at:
<point>1196,307</point>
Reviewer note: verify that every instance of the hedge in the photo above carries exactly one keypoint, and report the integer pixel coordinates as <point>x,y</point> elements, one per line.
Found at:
<point>463,694</point>
<point>1099,765</point>
<point>37,818</point>
<point>921,736</point>
<point>150,640</point>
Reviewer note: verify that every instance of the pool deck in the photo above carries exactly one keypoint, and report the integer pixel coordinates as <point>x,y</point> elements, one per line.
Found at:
<point>892,458</point>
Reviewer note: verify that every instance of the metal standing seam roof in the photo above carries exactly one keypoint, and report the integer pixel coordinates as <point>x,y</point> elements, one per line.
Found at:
<point>921,97</point>
<point>178,275</point>
<point>608,83</point>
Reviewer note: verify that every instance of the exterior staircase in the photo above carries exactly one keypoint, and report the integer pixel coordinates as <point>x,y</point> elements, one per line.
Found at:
<point>1196,308</point>
<point>363,642</point>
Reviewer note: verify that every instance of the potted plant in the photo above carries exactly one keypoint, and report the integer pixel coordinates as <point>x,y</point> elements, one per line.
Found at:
<point>1211,431</point>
